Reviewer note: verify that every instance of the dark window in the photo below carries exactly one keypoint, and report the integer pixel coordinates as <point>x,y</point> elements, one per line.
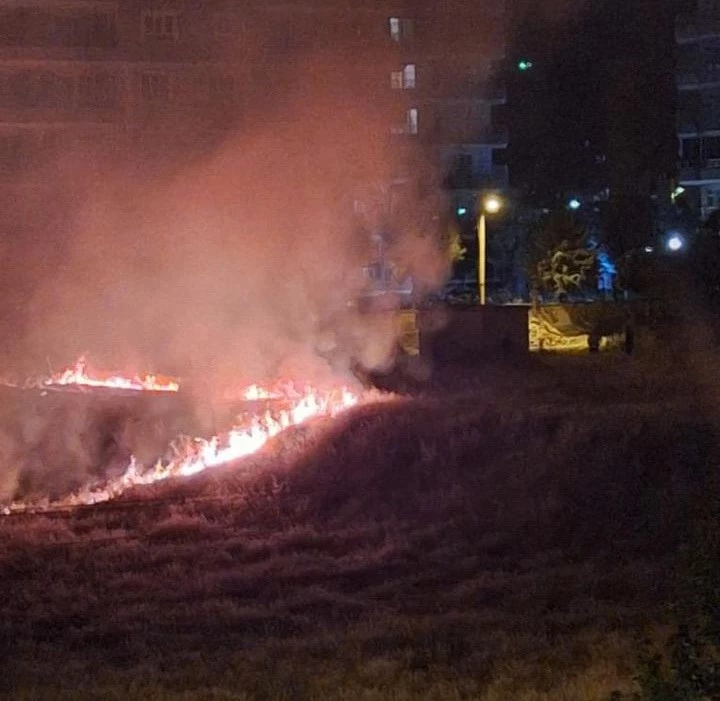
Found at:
<point>13,27</point>
<point>98,90</point>
<point>711,108</point>
<point>52,90</point>
<point>279,37</point>
<point>160,24</point>
<point>15,152</point>
<point>499,115</point>
<point>39,28</point>
<point>711,147</point>
<point>33,89</point>
<point>709,55</point>
<point>689,110</point>
<point>14,89</point>
<point>93,30</point>
<point>499,157</point>
<point>155,87</point>
<point>461,175</point>
<point>688,58</point>
<point>690,151</point>
<point>222,88</point>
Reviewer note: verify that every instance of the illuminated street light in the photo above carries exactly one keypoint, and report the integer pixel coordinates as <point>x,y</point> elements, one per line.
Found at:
<point>491,204</point>
<point>675,243</point>
<point>525,65</point>
<point>679,190</point>
<point>461,211</point>
<point>574,204</point>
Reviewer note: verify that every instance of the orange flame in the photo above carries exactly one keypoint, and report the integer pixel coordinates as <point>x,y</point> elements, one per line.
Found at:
<point>78,374</point>
<point>201,454</point>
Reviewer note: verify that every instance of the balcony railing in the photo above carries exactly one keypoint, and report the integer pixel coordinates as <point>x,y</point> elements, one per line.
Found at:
<point>496,178</point>
<point>467,90</point>
<point>694,172</point>
<point>690,28</point>
<point>490,136</point>
<point>697,76</point>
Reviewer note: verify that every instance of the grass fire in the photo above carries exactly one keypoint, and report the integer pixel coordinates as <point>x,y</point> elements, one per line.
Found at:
<point>270,424</point>
<point>507,531</point>
<point>267,411</point>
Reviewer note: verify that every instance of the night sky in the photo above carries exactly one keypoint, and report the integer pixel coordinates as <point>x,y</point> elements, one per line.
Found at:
<point>598,108</point>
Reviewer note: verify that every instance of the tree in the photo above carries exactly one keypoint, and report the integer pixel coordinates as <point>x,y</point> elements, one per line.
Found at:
<point>561,258</point>
<point>452,243</point>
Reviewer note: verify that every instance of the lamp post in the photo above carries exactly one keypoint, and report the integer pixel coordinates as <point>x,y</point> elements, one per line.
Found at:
<point>491,204</point>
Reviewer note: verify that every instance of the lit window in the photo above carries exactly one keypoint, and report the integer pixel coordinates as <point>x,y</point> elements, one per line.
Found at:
<point>395,28</point>
<point>408,76</point>
<point>160,24</point>
<point>404,79</point>
<point>412,121</point>
<point>401,29</point>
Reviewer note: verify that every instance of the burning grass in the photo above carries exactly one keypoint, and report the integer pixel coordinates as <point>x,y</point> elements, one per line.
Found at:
<point>470,544</point>
<point>274,410</point>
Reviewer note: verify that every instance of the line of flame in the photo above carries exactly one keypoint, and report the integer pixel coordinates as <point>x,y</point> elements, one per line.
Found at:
<point>78,374</point>
<point>202,454</point>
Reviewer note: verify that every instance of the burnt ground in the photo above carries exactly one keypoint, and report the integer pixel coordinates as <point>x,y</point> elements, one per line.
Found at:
<point>505,532</point>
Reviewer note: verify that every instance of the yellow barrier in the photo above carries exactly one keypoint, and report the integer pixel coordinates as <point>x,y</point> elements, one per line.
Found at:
<point>407,331</point>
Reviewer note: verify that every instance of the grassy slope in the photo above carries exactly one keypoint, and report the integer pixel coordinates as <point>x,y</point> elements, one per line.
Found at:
<point>502,536</point>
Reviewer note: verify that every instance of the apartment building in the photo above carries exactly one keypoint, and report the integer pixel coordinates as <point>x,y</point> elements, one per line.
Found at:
<point>698,79</point>
<point>173,76</point>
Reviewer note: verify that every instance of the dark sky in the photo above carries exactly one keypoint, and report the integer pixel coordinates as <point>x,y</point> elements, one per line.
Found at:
<point>598,107</point>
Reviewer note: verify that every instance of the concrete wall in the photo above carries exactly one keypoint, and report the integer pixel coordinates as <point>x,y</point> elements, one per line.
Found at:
<point>473,333</point>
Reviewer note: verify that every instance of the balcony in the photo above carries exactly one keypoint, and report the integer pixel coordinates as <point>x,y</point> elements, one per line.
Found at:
<point>467,90</point>
<point>497,179</point>
<point>695,77</point>
<point>490,136</point>
<point>692,28</point>
<point>709,169</point>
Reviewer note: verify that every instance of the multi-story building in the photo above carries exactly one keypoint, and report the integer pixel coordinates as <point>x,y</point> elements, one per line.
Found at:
<point>168,78</point>
<point>698,78</point>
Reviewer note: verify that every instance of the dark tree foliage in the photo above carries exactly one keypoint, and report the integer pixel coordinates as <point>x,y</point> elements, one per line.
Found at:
<point>561,260</point>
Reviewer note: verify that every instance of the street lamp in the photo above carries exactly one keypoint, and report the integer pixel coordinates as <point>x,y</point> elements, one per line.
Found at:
<point>491,204</point>
<point>675,243</point>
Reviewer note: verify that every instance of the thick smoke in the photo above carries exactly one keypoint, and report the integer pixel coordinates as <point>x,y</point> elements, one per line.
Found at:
<point>242,264</point>
<point>246,261</point>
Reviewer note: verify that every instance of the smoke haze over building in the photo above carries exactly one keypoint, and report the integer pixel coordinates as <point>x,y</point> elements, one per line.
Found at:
<point>198,187</point>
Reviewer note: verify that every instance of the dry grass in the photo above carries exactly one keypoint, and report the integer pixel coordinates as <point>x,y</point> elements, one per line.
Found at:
<point>502,537</point>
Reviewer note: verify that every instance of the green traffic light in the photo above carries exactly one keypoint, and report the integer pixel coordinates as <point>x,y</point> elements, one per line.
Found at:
<point>525,65</point>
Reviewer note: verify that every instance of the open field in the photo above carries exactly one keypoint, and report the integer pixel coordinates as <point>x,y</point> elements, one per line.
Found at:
<point>505,533</point>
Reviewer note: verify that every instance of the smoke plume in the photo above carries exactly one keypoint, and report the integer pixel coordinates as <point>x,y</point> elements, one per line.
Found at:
<point>238,261</point>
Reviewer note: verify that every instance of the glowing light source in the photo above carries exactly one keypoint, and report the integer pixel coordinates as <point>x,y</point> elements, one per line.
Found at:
<point>574,204</point>
<point>649,249</point>
<point>524,65</point>
<point>679,190</point>
<point>492,204</point>
<point>675,243</point>
<point>461,211</point>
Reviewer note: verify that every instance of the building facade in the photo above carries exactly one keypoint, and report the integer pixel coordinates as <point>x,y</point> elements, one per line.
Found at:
<point>698,40</point>
<point>171,78</point>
